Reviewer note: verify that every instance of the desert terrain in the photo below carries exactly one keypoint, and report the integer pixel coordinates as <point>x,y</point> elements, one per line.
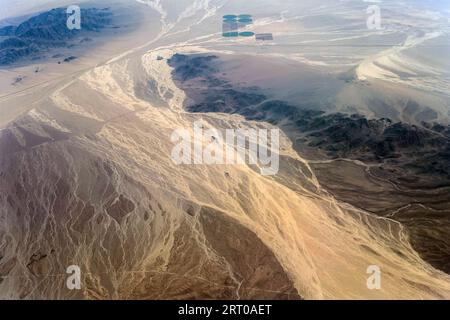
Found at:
<point>87,178</point>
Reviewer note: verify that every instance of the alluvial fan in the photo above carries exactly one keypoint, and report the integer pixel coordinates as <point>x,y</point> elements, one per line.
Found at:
<point>87,176</point>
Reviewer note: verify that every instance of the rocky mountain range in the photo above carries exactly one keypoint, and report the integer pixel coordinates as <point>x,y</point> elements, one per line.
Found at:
<point>48,30</point>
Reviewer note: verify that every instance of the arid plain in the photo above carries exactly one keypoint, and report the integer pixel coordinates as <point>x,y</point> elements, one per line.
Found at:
<point>87,178</point>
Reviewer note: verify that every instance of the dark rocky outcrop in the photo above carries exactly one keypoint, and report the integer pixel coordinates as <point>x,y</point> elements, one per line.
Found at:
<point>48,30</point>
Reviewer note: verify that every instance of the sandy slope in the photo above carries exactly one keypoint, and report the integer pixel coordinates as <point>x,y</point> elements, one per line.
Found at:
<point>323,246</point>
<point>87,179</point>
